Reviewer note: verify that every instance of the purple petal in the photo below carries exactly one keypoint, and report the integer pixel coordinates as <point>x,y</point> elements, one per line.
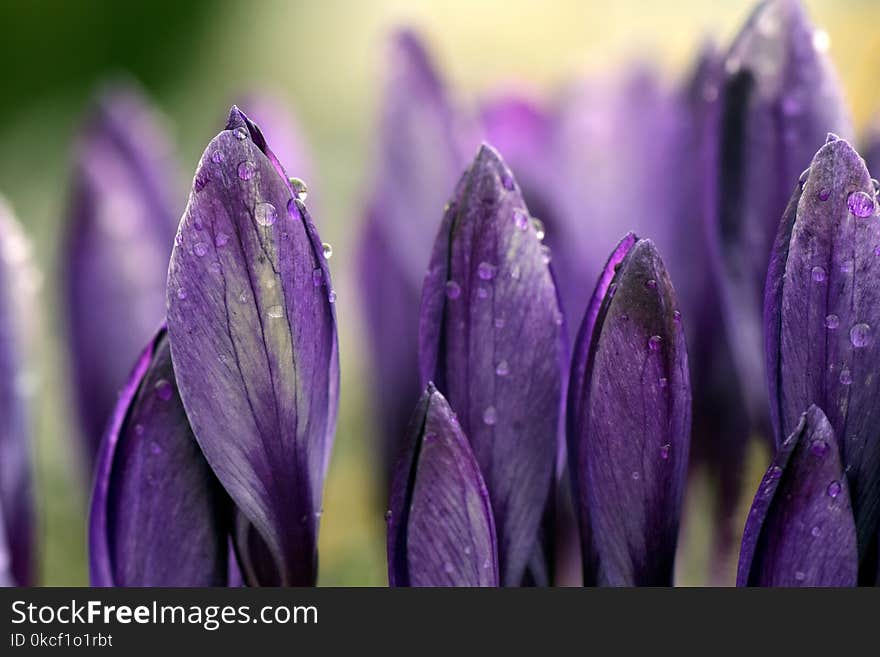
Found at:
<point>440,524</point>
<point>418,163</point>
<point>121,220</point>
<point>800,530</point>
<point>18,280</point>
<point>158,517</point>
<point>780,98</point>
<point>253,338</point>
<point>822,313</point>
<point>629,422</point>
<point>872,146</point>
<point>491,337</point>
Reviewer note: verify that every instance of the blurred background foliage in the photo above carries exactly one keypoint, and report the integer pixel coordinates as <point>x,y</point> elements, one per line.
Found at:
<point>324,58</point>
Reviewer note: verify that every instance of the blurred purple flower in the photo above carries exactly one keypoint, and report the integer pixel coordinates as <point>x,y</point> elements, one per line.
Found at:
<point>120,227</point>
<point>418,161</point>
<point>800,531</point>
<point>18,279</point>
<point>252,328</point>
<point>779,97</point>
<point>629,407</point>
<point>821,314</point>
<point>492,340</point>
<point>441,531</point>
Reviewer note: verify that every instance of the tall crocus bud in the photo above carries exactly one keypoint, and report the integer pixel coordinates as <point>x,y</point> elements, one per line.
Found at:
<point>121,221</point>
<point>822,315</point>
<point>779,99</point>
<point>158,515</point>
<point>629,407</point>
<point>417,164</point>
<point>441,530</point>
<point>17,281</point>
<point>253,340</point>
<point>491,338</point>
<point>800,530</point>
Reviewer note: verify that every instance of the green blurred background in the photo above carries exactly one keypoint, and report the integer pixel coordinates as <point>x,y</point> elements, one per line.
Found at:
<point>325,59</point>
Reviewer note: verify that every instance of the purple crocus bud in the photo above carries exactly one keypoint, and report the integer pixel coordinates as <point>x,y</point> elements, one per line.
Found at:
<point>253,339</point>
<point>491,338</point>
<point>629,406</point>
<point>800,530</point>
<point>158,515</point>
<point>441,530</point>
<point>780,97</point>
<point>121,221</point>
<point>418,163</point>
<point>822,314</point>
<point>17,287</point>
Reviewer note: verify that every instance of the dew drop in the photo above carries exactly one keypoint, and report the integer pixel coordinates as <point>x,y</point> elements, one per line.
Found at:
<point>676,316</point>
<point>200,249</point>
<point>799,575</point>
<point>483,292</point>
<point>246,170</point>
<point>546,254</point>
<point>388,515</point>
<point>846,266</point>
<point>821,41</point>
<point>220,239</point>
<point>502,368</point>
<point>636,476</point>
<point>327,250</point>
<point>486,271</point>
<point>818,274</point>
<point>833,489</point>
<point>490,416</point>
<point>664,451</point>
<point>816,531</point>
<point>651,284</point>
<point>823,194</point>
<point>217,157</point>
<point>520,219</point>
<point>539,228</point>
<point>846,377</point>
<point>181,293</point>
<point>154,448</point>
<point>775,472</point>
<point>832,321</point>
<point>331,296</point>
<point>499,322</point>
<point>240,134</point>
<point>819,448</point>
<point>243,297</point>
<point>654,342</point>
<point>507,182</point>
<point>275,311</point>
<point>317,277</point>
<point>663,382</point>
<point>448,569</point>
<point>860,335</point>
<point>830,138</point>
<point>515,272</point>
<point>860,204</point>
<point>453,290</point>
<point>163,389</point>
<point>265,214</point>
<point>300,189</point>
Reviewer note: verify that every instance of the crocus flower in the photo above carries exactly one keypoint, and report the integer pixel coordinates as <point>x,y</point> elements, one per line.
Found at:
<point>252,328</point>
<point>822,313</point>
<point>417,164</point>
<point>491,339</point>
<point>159,517</point>
<point>441,531</point>
<point>780,97</point>
<point>629,408</point>
<point>800,531</point>
<point>121,221</point>
<point>17,280</point>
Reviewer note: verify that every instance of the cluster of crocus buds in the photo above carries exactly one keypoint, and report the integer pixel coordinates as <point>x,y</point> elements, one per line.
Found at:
<point>546,334</point>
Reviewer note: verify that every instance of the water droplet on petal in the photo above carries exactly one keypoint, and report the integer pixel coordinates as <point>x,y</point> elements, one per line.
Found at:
<point>774,472</point>
<point>654,342</point>
<point>482,292</point>
<point>486,271</point>
<point>243,297</point>
<point>823,194</point>
<point>860,335</point>
<point>819,448</point>
<point>636,476</point>
<point>317,276</point>
<point>816,531</point>
<point>507,182</point>
<point>546,254</point>
<point>832,321</point>
<point>830,138</point>
<point>217,157</point>
<point>326,250</point>
<point>821,42</point>
<point>676,316</point>
<point>819,274</point>
<point>846,377</point>
<point>331,296</point>
<point>799,575</point>
<point>163,389</point>
<point>664,451</point>
<point>490,416</point>
<point>499,322</point>
<point>200,249</point>
<point>663,382</point>
<point>651,284</point>
<point>860,204</point>
<point>246,170</point>
<point>221,239</point>
<point>154,448</point>
<point>181,293</point>
<point>240,134</point>
<point>388,515</point>
<point>846,266</point>
<point>520,219</point>
<point>453,290</point>
<point>275,311</point>
<point>539,228</point>
<point>300,190</point>
<point>833,489</point>
<point>515,272</point>
<point>265,214</point>
<point>502,368</point>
